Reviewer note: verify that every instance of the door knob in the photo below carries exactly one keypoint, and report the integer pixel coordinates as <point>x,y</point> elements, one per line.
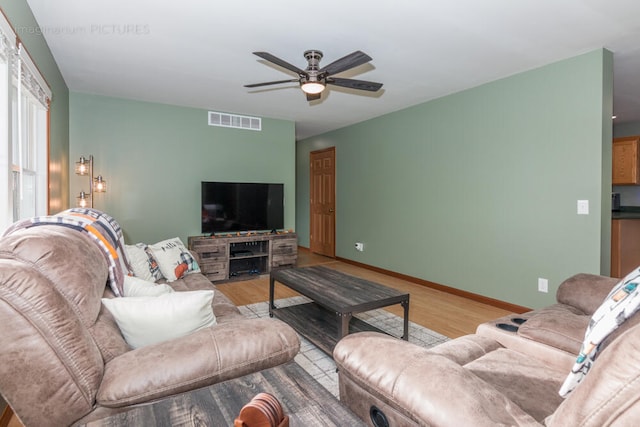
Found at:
<point>330,210</point>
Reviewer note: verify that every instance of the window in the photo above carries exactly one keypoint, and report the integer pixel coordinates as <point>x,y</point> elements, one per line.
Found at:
<point>24,101</point>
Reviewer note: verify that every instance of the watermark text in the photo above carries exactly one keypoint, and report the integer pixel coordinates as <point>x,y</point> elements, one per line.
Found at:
<point>93,29</point>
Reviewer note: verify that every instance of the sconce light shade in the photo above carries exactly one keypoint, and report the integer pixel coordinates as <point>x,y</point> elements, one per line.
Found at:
<point>83,200</point>
<point>82,166</point>
<point>99,184</point>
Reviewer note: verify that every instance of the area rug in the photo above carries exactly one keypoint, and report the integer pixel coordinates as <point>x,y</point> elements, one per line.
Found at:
<point>319,365</point>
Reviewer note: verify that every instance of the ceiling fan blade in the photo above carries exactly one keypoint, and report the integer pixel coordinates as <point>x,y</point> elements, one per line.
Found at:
<point>280,62</point>
<point>272,83</point>
<point>345,63</point>
<point>355,84</point>
<point>313,96</point>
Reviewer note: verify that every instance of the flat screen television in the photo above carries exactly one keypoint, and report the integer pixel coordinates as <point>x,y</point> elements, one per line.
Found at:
<point>242,207</point>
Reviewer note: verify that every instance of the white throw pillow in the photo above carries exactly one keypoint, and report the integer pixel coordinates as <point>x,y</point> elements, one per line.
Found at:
<point>174,259</point>
<point>136,287</point>
<point>149,320</point>
<point>142,262</point>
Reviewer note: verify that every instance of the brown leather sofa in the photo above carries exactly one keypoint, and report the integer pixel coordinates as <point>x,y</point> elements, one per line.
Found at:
<point>499,377</point>
<point>63,359</point>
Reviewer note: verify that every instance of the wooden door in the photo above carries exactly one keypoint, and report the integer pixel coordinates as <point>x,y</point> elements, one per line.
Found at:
<point>322,226</point>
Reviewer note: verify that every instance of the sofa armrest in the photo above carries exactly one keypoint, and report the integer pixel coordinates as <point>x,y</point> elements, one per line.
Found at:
<point>424,386</point>
<point>586,292</point>
<point>195,256</point>
<point>205,357</point>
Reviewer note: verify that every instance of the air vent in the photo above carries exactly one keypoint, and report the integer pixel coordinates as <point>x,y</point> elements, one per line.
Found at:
<point>234,121</point>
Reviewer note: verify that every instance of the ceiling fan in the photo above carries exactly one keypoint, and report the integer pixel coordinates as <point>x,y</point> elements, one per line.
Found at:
<point>313,79</point>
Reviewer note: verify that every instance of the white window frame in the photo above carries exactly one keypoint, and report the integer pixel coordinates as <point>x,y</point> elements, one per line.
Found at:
<point>24,104</point>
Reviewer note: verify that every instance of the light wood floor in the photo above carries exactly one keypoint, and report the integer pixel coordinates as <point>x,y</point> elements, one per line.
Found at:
<point>448,314</point>
<point>8,419</point>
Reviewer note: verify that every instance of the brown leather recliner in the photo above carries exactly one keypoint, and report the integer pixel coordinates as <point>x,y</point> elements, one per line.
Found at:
<point>492,378</point>
<point>63,359</point>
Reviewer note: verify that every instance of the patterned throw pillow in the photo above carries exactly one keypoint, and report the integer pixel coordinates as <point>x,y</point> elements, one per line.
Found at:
<point>174,259</point>
<point>143,264</point>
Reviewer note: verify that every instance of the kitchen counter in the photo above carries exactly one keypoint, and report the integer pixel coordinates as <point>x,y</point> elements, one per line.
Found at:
<point>626,212</point>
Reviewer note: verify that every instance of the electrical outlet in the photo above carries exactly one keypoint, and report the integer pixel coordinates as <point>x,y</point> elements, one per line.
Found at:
<point>543,285</point>
<point>360,247</point>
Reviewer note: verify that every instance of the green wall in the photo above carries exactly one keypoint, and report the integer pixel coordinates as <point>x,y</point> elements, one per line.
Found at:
<point>154,157</point>
<point>23,22</point>
<point>478,190</point>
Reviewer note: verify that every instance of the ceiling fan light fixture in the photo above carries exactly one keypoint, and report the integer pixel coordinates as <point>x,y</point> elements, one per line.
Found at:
<point>314,79</point>
<point>312,87</point>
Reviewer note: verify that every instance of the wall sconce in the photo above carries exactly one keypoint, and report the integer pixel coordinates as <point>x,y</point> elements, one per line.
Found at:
<point>96,184</point>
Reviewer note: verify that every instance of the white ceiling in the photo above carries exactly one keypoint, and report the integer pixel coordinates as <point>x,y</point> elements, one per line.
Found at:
<point>197,53</point>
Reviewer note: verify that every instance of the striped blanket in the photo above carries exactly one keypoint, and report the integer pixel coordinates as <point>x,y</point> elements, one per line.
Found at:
<point>103,230</point>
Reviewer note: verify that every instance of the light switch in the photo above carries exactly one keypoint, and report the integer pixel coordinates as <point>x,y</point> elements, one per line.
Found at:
<point>583,207</point>
<point>543,285</point>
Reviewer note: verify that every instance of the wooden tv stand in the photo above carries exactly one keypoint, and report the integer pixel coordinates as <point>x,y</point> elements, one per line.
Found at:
<point>228,257</point>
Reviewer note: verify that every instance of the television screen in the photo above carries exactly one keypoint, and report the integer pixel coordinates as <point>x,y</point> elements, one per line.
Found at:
<point>236,206</point>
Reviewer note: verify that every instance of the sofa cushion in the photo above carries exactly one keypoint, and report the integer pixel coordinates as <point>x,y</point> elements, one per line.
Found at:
<point>561,326</point>
<point>68,260</point>
<point>148,320</point>
<point>174,259</point>
<point>205,357</point>
<point>465,349</point>
<point>585,291</point>
<point>48,363</point>
<point>107,335</point>
<point>526,381</point>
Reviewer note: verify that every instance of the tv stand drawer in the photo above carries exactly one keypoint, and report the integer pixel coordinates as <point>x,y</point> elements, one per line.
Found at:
<point>233,257</point>
<point>283,261</point>
<point>213,265</point>
<point>216,276</point>
<point>207,247</point>
<point>284,247</point>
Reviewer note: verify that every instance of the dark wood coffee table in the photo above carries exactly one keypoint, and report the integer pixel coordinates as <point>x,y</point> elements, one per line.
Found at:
<point>335,298</point>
